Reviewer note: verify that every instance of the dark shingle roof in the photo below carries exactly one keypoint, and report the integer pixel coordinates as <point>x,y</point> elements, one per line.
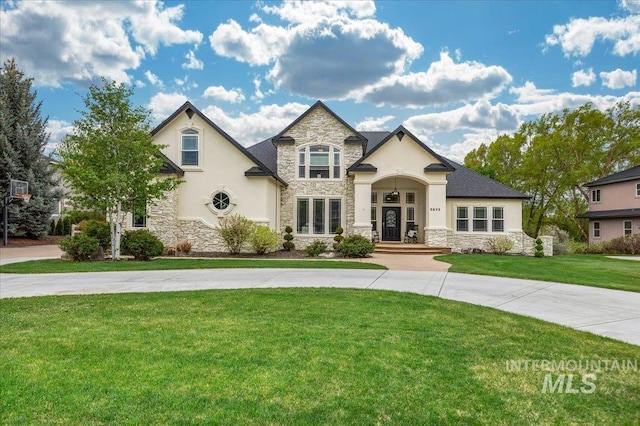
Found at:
<point>465,183</point>
<point>266,152</point>
<point>625,175</point>
<point>609,214</point>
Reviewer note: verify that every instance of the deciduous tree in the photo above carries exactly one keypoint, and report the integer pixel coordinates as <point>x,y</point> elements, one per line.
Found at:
<point>111,161</point>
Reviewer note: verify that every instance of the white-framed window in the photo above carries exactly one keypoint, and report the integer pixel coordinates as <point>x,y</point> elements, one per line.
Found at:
<point>596,229</point>
<point>497,219</point>
<point>319,162</point>
<point>318,216</point>
<point>480,219</point>
<point>637,189</point>
<point>595,196</point>
<point>462,219</point>
<point>627,227</point>
<point>220,201</point>
<point>139,218</point>
<point>190,147</point>
<point>374,218</point>
<point>410,197</point>
<point>391,197</point>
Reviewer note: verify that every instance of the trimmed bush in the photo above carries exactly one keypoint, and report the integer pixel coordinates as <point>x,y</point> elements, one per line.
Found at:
<point>58,228</point>
<point>288,244</point>
<point>355,246</point>
<point>338,238</point>
<point>629,244</point>
<point>81,248</point>
<point>99,230</point>
<point>316,248</point>
<point>586,248</point>
<point>235,231</point>
<point>141,244</point>
<point>183,247</point>
<point>263,239</point>
<point>500,245</point>
<point>539,249</point>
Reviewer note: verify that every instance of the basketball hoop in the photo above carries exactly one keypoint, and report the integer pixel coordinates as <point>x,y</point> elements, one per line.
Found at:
<point>24,197</point>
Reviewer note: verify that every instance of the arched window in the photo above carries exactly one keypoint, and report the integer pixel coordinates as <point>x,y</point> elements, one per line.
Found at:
<point>190,145</point>
<point>319,162</point>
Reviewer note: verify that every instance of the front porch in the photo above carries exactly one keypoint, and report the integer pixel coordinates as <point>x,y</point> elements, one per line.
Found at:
<point>408,248</point>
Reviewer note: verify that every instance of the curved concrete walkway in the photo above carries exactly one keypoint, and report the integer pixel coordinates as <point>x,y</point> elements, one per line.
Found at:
<point>610,313</point>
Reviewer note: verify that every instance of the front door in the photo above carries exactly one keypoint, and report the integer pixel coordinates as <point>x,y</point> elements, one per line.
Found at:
<point>391,224</point>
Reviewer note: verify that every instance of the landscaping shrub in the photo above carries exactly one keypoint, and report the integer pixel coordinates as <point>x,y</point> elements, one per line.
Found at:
<point>77,216</point>
<point>355,246</point>
<point>586,248</point>
<point>59,230</point>
<point>141,244</point>
<point>288,239</point>
<point>183,247</point>
<point>263,239</point>
<point>316,248</point>
<point>81,247</point>
<point>170,251</point>
<point>629,244</point>
<point>338,238</point>
<point>539,249</point>
<point>561,239</point>
<point>99,230</point>
<point>66,226</point>
<point>500,245</point>
<point>235,231</point>
<point>52,227</point>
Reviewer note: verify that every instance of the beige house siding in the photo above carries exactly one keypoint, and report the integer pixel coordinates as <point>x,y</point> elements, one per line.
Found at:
<point>615,196</point>
<point>612,228</point>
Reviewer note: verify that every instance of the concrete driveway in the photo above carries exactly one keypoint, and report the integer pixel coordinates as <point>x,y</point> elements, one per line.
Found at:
<point>610,313</point>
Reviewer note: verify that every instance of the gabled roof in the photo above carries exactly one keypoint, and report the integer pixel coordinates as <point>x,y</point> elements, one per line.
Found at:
<point>169,167</point>
<point>189,109</point>
<point>401,132</point>
<point>356,138</point>
<point>623,176</point>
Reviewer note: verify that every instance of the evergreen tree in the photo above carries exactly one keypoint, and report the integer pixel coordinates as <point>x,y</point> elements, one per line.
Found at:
<point>22,142</point>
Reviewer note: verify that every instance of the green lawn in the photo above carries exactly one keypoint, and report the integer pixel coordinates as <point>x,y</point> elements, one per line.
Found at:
<point>294,356</point>
<point>57,265</point>
<point>591,270</point>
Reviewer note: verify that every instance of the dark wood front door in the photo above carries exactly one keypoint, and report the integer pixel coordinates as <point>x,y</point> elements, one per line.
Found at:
<point>391,224</point>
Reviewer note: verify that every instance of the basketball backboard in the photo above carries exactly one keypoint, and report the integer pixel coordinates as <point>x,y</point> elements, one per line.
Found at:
<point>18,187</point>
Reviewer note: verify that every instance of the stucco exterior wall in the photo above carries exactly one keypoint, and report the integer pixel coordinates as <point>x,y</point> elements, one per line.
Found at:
<point>616,196</point>
<point>612,228</point>
<point>318,127</point>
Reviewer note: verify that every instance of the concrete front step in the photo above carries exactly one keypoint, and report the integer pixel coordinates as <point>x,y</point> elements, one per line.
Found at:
<point>401,248</point>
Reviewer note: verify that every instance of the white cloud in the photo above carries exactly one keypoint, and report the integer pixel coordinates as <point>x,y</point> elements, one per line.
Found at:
<point>632,6</point>
<point>444,82</point>
<point>163,105</point>
<point>327,49</point>
<point>372,124</point>
<point>192,63</point>
<point>458,150</point>
<point>258,95</point>
<point>249,129</point>
<point>531,101</point>
<point>233,96</point>
<point>481,115</point>
<point>619,79</point>
<point>77,42</point>
<point>578,36</point>
<point>153,79</point>
<point>583,78</point>
<point>57,130</point>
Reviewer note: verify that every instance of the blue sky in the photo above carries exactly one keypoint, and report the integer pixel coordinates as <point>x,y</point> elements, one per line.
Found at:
<point>456,73</point>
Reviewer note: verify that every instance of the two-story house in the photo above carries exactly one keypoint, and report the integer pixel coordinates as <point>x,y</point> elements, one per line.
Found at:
<point>614,205</point>
<point>320,173</point>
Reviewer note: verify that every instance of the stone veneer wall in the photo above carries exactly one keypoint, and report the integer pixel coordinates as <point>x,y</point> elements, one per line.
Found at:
<point>162,218</point>
<point>321,127</point>
<point>523,244</point>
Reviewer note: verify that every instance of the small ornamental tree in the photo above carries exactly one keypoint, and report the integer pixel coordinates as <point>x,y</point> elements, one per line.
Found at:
<point>111,161</point>
<point>539,249</point>
<point>338,237</point>
<point>288,239</point>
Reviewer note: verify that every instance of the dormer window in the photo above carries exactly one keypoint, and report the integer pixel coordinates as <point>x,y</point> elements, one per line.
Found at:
<point>319,162</point>
<point>190,145</point>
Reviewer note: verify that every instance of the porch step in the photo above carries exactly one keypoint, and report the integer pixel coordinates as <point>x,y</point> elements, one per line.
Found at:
<point>402,248</point>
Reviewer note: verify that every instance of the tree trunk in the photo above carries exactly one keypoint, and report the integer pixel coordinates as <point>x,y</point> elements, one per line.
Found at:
<point>118,233</point>
<point>112,229</point>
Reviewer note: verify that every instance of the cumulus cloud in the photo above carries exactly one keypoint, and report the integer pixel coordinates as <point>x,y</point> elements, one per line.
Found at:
<point>444,82</point>
<point>76,42</point>
<point>220,93</point>
<point>619,79</point>
<point>577,37</point>
<point>583,78</point>
<point>57,130</point>
<point>248,129</point>
<point>192,63</point>
<point>327,49</point>
<point>372,124</point>
<point>632,6</point>
<point>153,79</point>
<point>456,151</point>
<point>163,105</point>
<point>481,115</point>
<point>531,101</point>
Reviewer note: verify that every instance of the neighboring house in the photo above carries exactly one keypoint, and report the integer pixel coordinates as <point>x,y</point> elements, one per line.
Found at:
<point>320,173</point>
<point>614,205</point>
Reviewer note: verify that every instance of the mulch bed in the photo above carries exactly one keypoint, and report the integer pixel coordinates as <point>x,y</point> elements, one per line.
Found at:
<point>280,254</point>
<point>47,240</point>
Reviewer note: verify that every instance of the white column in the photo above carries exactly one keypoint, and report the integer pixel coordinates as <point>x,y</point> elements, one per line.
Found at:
<point>362,204</point>
<point>435,233</point>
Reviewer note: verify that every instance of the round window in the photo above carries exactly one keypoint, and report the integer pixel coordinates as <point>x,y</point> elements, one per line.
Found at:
<point>221,200</point>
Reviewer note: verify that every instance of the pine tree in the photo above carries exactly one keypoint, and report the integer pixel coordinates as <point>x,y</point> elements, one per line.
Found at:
<point>23,139</point>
